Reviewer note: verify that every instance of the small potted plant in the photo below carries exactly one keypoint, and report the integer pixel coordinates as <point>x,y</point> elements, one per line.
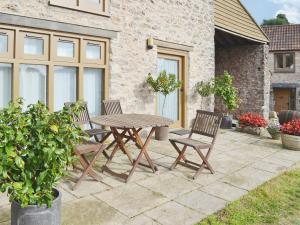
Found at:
<point>251,123</point>
<point>290,135</point>
<point>222,87</point>
<point>164,84</point>
<point>274,128</point>
<point>36,147</point>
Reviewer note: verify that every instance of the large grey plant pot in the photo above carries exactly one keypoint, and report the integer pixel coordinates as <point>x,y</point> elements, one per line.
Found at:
<point>34,215</point>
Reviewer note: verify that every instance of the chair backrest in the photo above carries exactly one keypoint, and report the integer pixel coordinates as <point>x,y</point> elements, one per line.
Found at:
<point>112,107</point>
<point>207,123</point>
<point>83,117</point>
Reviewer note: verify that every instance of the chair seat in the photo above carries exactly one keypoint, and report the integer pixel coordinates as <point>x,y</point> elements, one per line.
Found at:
<point>93,132</point>
<point>192,143</point>
<point>87,147</point>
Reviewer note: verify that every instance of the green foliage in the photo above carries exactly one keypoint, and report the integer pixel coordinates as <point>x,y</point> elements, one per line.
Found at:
<point>281,19</point>
<point>223,87</point>
<point>35,149</point>
<point>164,84</point>
<point>276,202</point>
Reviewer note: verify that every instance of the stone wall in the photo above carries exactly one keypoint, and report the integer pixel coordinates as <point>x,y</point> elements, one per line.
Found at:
<point>188,22</point>
<point>285,78</point>
<point>249,66</point>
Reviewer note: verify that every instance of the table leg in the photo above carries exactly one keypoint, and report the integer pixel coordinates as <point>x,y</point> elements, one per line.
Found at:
<point>143,151</point>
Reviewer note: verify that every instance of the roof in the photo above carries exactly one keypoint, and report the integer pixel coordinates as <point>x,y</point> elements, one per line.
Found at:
<point>283,37</point>
<point>231,16</point>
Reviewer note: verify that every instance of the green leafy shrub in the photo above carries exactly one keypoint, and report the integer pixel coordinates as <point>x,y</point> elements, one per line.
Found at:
<point>223,87</point>
<point>164,84</point>
<point>35,149</point>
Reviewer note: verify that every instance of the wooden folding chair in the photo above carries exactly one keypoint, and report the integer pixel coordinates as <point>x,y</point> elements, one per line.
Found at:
<point>88,147</point>
<point>83,119</point>
<point>113,107</point>
<point>206,124</point>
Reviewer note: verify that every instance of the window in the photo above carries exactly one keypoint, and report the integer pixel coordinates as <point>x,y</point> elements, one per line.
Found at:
<point>33,85</point>
<point>5,84</point>
<point>93,90</point>
<point>52,67</point>
<point>34,46</point>
<point>285,62</point>
<point>65,86</point>
<point>99,7</point>
<point>66,49</point>
<point>94,52</point>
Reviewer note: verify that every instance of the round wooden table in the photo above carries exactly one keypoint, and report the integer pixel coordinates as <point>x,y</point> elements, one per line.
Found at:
<point>128,126</point>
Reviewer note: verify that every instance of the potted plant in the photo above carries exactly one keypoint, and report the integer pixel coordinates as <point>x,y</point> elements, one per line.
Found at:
<point>222,87</point>
<point>164,84</point>
<point>274,128</point>
<point>290,135</point>
<point>35,149</point>
<point>251,123</point>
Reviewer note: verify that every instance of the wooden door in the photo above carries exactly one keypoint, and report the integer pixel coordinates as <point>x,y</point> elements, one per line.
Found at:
<point>282,99</point>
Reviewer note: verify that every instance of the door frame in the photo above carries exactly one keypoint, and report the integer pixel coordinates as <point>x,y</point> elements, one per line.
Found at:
<point>183,68</point>
<point>292,94</point>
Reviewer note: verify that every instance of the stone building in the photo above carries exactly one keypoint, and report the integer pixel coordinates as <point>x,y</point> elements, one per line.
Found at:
<point>284,62</point>
<point>64,50</point>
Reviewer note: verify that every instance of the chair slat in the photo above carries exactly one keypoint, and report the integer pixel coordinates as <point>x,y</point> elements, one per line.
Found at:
<point>112,107</point>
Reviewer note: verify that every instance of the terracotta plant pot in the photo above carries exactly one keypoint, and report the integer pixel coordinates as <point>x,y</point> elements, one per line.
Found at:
<point>250,130</point>
<point>290,142</point>
<point>161,133</point>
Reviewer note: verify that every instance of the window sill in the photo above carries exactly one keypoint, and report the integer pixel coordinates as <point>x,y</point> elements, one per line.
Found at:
<point>284,71</point>
<point>54,4</point>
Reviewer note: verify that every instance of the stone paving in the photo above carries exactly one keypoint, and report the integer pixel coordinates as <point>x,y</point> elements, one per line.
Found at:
<point>242,162</point>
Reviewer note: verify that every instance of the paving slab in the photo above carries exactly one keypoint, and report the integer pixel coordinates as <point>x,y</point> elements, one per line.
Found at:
<point>168,185</point>
<point>227,164</point>
<point>202,202</point>
<point>4,201</point>
<point>290,155</point>
<point>90,211</point>
<point>173,213</point>
<point>270,167</point>
<point>279,161</point>
<point>224,191</point>
<point>4,214</point>
<point>141,220</point>
<point>132,199</point>
<point>248,178</point>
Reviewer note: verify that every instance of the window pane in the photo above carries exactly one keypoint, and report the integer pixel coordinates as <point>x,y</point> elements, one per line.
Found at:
<point>290,61</point>
<point>279,61</point>
<point>33,83</point>
<point>64,86</point>
<point>93,90</point>
<point>5,84</point>
<point>93,51</point>
<point>3,43</point>
<point>65,49</point>
<point>33,46</point>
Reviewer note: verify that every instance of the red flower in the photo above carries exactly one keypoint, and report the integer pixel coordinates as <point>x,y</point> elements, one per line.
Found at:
<point>252,120</point>
<point>291,128</point>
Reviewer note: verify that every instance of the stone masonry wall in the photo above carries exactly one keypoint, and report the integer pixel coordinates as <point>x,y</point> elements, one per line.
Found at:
<point>249,65</point>
<point>285,78</point>
<point>188,22</point>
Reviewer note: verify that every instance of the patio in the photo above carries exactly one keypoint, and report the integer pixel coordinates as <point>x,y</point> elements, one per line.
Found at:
<point>242,162</point>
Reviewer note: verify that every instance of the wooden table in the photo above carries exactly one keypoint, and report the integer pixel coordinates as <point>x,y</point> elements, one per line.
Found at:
<point>131,123</point>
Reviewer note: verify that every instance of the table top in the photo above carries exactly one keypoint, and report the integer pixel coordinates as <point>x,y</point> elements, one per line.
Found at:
<point>130,121</point>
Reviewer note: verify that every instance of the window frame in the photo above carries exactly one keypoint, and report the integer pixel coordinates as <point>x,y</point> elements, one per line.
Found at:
<point>75,57</point>
<point>44,37</point>
<point>50,61</point>
<point>84,7</point>
<point>10,43</point>
<point>285,69</point>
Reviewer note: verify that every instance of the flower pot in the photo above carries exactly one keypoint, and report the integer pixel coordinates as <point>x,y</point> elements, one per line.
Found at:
<point>226,122</point>
<point>249,130</point>
<point>161,133</point>
<point>39,215</point>
<point>291,142</point>
<point>275,136</point>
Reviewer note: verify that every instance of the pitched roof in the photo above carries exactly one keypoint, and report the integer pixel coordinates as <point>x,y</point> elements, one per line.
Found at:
<point>283,37</point>
<point>232,17</point>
